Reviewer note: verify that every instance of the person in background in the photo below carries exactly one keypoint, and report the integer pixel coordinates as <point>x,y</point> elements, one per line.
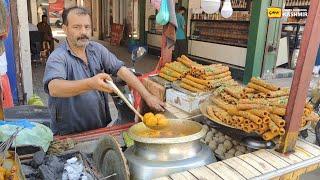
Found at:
<point>181,42</point>
<point>48,38</point>
<point>32,27</point>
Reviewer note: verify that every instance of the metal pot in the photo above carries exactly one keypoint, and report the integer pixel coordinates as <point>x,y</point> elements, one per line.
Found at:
<point>155,157</point>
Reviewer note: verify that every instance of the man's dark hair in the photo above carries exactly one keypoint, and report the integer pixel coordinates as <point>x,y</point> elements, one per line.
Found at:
<point>182,9</point>
<point>44,16</point>
<point>78,10</point>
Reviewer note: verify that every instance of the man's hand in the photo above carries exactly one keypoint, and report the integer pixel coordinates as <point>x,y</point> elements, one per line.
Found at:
<point>154,103</point>
<point>99,82</point>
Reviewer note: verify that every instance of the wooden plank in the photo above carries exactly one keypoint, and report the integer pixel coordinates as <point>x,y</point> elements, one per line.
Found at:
<point>183,176</point>
<point>225,171</point>
<point>242,167</point>
<point>163,178</point>
<point>286,176</point>
<point>276,178</point>
<point>301,79</point>
<point>289,158</point>
<point>312,168</point>
<point>301,153</point>
<point>296,174</point>
<point>311,148</point>
<point>271,159</point>
<point>257,163</point>
<point>204,173</point>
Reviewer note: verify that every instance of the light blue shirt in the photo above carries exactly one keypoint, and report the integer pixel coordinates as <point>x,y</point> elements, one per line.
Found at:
<point>86,111</point>
<point>181,24</point>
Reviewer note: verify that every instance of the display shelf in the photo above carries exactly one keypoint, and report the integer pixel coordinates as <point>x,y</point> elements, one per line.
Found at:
<point>220,20</point>
<point>226,32</point>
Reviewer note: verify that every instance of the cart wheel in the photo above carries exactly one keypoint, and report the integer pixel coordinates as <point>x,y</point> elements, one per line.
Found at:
<point>317,131</point>
<point>110,160</point>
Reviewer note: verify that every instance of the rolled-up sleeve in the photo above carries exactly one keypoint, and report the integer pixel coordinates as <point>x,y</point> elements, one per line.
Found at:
<point>110,62</point>
<point>55,69</point>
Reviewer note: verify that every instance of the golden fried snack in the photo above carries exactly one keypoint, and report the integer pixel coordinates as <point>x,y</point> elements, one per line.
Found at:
<point>278,104</point>
<point>221,114</point>
<point>180,69</point>
<point>244,107</point>
<point>211,113</point>
<point>282,92</point>
<point>303,121</point>
<point>278,111</point>
<point>263,128</point>
<point>269,135</point>
<point>273,127</point>
<point>264,84</point>
<point>149,119</point>
<point>170,72</point>
<point>190,88</point>
<point>254,101</point>
<point>266,119</point>
<point>309,106</point>
<point>218,76</point>
<point>259,88</point>
<point>259,112</point>
<point>249,90</point>
<point>194,84</point>
<point>162,121</point>
<point>218,70</point>
<point>277,120</point>
<point>246,121</point>
<point>261,95</point>
<point>233,111</point>
<point>248,129</point>
<point>166,77</point>
<point>312,117</point>
<point>220,103</point>
<point>213,82</point>
<point>307,112</point>
<point>251,117</point>
<point>247,96</point>
<point>232,92</point>
<point>197,80</point>
<point>253,125</point>
<point>281,131</point>
<point>228,98</point>
<point>185,62</point>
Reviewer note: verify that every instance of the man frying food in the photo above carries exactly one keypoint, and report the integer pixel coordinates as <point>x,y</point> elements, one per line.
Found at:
<point>75,78</point>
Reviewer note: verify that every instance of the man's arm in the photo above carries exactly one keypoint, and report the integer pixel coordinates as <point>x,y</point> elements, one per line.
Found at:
<point>66,88</point>
<point>153,102</point>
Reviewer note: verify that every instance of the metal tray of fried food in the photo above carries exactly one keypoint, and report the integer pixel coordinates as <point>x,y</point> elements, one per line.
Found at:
<point>176,86</point>
<point>156,78</point>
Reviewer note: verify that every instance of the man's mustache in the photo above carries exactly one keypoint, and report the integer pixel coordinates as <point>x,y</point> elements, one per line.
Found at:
<point>83,37</point>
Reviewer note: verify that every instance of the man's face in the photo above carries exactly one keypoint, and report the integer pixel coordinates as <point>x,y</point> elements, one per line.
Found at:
<point>78,30</point>
<point>45,19</point>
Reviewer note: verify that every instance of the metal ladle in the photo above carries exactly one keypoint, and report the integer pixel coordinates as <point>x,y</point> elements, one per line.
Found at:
<point>122,96</point>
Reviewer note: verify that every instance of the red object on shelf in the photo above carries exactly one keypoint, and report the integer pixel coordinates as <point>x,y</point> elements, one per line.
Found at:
<point>116,33</point>
<point>95,134</point>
